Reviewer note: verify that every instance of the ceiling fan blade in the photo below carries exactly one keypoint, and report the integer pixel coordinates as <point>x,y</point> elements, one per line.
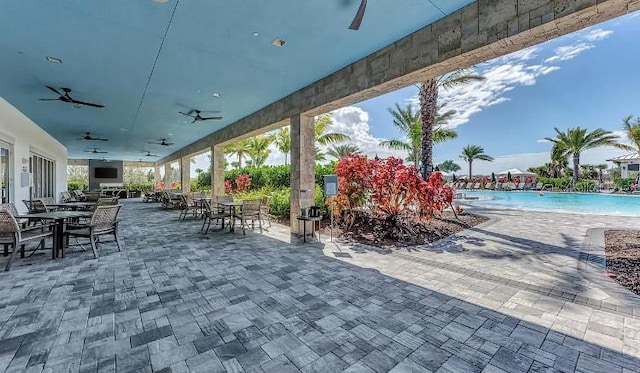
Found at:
<point>208,118</point>
<point>53,89</point>
<point>97,139</point>
<point>357,20</point>
<point>189,115</point>
<point>49,99</point>
<point>86,103</point>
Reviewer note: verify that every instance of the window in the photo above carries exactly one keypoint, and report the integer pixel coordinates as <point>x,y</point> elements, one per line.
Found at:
<point>4,172</point>
<point>44,177</point>
<point>634,167</point>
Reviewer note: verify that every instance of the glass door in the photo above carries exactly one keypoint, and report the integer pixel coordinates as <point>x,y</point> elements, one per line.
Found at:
<point>4,173</point>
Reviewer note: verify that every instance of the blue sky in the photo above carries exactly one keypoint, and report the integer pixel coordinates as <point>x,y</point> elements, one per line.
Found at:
<point>588,78</point>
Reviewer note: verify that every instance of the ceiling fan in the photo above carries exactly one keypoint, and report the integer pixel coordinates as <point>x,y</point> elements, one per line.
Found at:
<point>357,20</point>
<point>198,117</point>
<point>95,151</point>
<point>67,98</point>
<point>148,154</point>
<point>162,142</point>
<point>87,136</point>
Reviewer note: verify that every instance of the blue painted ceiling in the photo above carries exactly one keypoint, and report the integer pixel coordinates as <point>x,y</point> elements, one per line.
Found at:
<point>146,61</point>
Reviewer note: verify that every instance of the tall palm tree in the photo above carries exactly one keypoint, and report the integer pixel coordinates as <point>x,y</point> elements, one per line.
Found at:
<point>240,149</point>
<point>283,141</point>
<point>258,148</point>
<point>410,123</point>
<point>559,162</point>
<point>428,96</point>
<point>632,128</point>
<point>339,151</point>
<point>472,152</point>
<point>576,140</point>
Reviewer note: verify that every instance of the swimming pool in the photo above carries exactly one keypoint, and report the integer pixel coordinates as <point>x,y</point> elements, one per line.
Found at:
<point>582,203</point>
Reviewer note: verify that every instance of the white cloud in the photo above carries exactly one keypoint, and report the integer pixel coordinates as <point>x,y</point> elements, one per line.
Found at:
<point>597,34</point>
<point>543,141</point>
<point>353,122</point>
<point>569,52</point>
<point>505,73</point>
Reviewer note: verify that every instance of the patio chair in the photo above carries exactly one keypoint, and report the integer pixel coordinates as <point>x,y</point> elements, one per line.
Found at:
<point>264,209</point>
<point>104,220</point>
<point>212,214</point>
<point>107,201</point>
<point>15,235</point>
<point>250,212</point>
<point>66,197</point>
<point>538,186</point>
<point>79,196</point>
<point>187,206</point>
<point>520,186</point>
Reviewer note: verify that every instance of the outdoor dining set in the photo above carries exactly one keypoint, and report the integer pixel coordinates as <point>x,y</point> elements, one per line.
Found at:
<point>45,218</point>
<point>221,210</point>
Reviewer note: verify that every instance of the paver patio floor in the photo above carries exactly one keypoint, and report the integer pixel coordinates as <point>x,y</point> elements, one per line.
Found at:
<point>523,293</point>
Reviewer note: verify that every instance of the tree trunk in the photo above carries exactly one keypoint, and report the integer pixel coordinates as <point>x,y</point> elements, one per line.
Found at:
<point>428,108</point>
<point>576,167</point>
<point>470,161</point>
<point>285,159</point>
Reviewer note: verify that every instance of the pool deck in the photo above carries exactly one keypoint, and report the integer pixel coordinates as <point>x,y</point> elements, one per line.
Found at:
<point>524,292</point>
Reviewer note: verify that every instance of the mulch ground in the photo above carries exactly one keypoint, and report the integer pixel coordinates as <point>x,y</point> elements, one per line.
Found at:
<point>368,232</point>
<point>622,249</point>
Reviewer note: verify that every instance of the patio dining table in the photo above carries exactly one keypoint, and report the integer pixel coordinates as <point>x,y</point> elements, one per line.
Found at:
<point>233,212</point>
<point>59,217</point>
<point>74,205</point>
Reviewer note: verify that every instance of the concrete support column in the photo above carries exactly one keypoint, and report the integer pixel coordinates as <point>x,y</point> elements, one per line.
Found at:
<point>156,176</point>
<point>302,164</point>
<point>217,170</point>
<point>167,176</point>
<point>185,174</point>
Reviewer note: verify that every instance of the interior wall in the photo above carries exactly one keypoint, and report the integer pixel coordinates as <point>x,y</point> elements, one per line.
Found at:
<point>26,137</point>
<point>94,183</point>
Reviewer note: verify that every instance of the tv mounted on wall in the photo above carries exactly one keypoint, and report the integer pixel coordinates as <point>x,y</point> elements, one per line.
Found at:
<point>105,173</point>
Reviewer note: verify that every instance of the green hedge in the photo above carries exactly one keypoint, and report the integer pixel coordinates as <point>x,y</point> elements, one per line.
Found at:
<point>557,182</point>
<point>76,185</point>
<point>624,183</point>
<point>585,186</point>
<point>274,177</point>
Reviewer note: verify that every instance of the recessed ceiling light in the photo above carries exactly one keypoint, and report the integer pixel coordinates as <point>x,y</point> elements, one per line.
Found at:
<point>53,59</point>
<point>256,33</point>
<point>169,134</point>
<point>160,1</point>
<point>278,42</point>
<point>216,94</point>
<point>124,130</point>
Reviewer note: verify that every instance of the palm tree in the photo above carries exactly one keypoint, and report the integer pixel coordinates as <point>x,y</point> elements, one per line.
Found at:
<point>449,166</point>
<point>283,141</point>
<point>339,151</point>
<point>428,96</point>
<point>240,149</point>
<point>559,162</point>
<point>410,123</point>
<point>576,140</point>
<point>322,123</point>
<point>258,148</point>
<point>632,128</point>
<point>471,152</point>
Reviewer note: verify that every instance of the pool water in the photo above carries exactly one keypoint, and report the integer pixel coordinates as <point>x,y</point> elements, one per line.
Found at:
<point>583,203</point>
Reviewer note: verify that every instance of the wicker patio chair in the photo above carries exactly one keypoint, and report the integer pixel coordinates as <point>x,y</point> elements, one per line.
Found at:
<point>107,201</point>
<point>12,234</point>
<point>79,196</point>
<point>103,221</point>
<point>67,197</point>
<point>187,206</point>
<point>250,213</point>
<point>212,214</point>
<point>264,209</point>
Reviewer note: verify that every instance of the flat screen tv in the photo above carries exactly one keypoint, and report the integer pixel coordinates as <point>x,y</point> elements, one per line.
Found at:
<point>105,173</point>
